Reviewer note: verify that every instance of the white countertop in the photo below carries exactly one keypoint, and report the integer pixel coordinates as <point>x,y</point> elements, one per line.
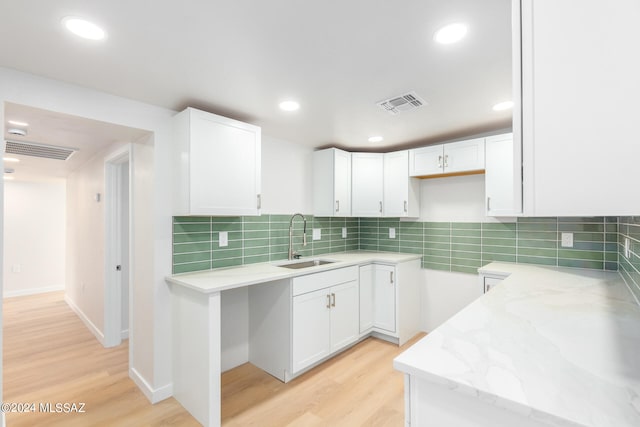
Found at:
<point>555,344</point>
<point>222,279</point>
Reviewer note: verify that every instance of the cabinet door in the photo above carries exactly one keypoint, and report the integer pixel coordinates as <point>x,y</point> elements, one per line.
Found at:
<point>426,161</point>
<point>311,328</point>
<point>384,298</point>
<point>342,183</point>
<point>401,192</point>
<point>224,176</point>
<point>366,298</point>
<point>580,107</point>
<point>499,177</point>
<point>344,315</point>
<point>366,184</point>
<point>464,156</point>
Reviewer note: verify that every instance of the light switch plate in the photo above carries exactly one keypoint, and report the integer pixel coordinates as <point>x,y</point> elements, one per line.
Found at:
<point>223,239</point>
<point>16,268</point>
<point>344,232</point>
<point>317,233</point>
<point>392,233</point>
<point>567,240</point>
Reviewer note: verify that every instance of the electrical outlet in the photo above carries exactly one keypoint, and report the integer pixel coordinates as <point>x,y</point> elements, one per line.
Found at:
<point>627,247</point>
<point>344,232</point>
<point>392,233</point>
<point>223,239</point>
<point>317,233</point>
<point>567,240</point>
<point>16,268</point>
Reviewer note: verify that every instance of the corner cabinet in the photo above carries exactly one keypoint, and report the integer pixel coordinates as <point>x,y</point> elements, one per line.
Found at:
<point>577,74</point>
<point>367,183</point>
<point>390,300</point>
<point>503,180</point>
<point>331,183</point>
<point>217,165</point>
<point>456,158</point>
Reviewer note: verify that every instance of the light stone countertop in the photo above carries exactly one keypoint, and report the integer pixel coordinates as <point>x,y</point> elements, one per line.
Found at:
<point>554,344</point>
<point>222,279</point>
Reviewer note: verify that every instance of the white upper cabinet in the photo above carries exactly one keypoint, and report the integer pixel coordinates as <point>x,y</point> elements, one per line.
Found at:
<point>331,183</point>
<point>401,192</point>
<point>579,105</point>
<point>367,183</point>
<point>217,165</point>
<point>447,159</point>
<point>502,182</point>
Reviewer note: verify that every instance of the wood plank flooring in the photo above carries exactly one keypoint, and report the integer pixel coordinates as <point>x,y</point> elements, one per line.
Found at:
<point>49,356</point>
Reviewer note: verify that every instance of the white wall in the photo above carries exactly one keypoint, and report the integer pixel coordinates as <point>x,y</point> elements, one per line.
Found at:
<point>86,241</point>
<point>151,361</point>
<point>286,177</point>
<point>451,199</point>
<point>34,237</point>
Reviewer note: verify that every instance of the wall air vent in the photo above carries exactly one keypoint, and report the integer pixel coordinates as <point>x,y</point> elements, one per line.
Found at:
<point>33,149</point>
<point>398,104</point>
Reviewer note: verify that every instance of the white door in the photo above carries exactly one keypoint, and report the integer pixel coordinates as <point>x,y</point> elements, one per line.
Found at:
<point>366,298</point>
<point>396,184</point>
<point>344,315</point>
<point>311,328</point>
<point>366,184</point>
<point>426,160</point>
<point>384,298</point>
<point>464,156</point>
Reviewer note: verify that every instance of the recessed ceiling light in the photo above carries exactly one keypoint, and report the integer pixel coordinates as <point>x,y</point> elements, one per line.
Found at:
<point>10,159</point>
<point>450,33</point>
<point>17,123</point>
<point>83,28</point>
<point>8,178</point>
<point>16,131</point>
<point>289,106</point>
<point>376,139</point>
<point>501,106</point>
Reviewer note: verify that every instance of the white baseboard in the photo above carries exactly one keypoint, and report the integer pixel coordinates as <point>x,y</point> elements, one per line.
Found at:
<point>154,395</point>
<point>32,291</point>
<point>88,323</point>
<point>124,334</point>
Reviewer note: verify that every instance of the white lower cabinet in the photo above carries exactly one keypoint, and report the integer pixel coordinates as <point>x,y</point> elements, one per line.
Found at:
<point>390,300</point>
<point>324,321</point>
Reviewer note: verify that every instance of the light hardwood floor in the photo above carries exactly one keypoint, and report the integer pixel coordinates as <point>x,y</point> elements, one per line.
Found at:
<point>49,356</point>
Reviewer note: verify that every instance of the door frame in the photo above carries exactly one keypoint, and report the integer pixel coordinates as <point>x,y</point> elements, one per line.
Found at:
<point>113,166</point>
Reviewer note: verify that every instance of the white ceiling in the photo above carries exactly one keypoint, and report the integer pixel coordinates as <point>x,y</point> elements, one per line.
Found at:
<point>241,58</point>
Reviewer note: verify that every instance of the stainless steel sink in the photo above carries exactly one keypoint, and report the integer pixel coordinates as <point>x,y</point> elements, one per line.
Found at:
<point>306,264</point>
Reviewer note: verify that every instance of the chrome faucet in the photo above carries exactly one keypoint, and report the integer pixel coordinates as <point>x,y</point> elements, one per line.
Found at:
<point>293,254</point>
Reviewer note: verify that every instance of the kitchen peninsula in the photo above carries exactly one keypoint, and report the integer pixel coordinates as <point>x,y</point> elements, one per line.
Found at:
<point>276,295</point>
<point>546,347</point>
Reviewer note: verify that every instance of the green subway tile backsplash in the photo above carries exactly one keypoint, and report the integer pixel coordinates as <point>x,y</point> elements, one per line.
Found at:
<point>448,246</point>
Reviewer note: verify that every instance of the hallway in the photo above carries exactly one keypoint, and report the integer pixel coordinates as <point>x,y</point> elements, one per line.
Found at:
<point>51,357</point>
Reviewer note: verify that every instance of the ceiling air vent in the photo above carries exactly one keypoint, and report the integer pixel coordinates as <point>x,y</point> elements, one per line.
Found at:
<point>397,104</point>
<point>33,149</point>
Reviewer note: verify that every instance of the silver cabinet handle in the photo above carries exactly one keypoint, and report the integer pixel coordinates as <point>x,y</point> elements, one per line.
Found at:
<point>405,206</point>
<point>328,301</point>
<point>391,277</point>
<point>440,162</point>
<point>259,197</point>
<point>333,296</point>
<point>446,160</point>
<point>488,203</point>
<point>337,205</point>
<point>380,207</point>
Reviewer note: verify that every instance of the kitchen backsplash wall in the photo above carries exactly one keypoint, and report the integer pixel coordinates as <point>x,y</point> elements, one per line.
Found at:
<point>254,239</point>
<point>448,246</point>
<point>629,228</point>
<point>465,246</point>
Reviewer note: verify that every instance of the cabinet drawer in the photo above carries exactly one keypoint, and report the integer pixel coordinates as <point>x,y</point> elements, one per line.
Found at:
<point>325,279</point>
